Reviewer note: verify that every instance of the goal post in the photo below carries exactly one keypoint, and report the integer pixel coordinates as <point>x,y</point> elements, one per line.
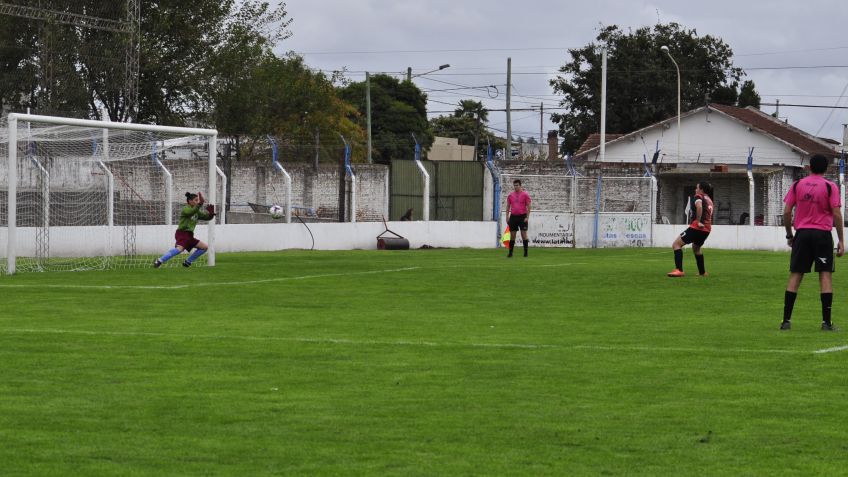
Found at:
<point>74,183</point>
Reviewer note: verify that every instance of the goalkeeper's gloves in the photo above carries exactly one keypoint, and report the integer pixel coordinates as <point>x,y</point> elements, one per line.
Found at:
<point>210,212</point>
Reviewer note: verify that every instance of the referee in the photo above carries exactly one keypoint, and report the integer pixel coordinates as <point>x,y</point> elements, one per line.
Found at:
<point>818,208</point>
<point>518,215</point>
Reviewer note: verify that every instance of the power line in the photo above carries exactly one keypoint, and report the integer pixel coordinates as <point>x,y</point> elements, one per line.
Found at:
<point>544,48</point>
<point>803,105</point>
<point>462,50</point>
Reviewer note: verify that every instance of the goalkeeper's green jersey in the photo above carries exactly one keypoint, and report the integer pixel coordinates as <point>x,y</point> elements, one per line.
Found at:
<point>189,217</point>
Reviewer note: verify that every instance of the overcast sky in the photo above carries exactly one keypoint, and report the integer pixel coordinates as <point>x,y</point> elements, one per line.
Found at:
<point>799,48</point>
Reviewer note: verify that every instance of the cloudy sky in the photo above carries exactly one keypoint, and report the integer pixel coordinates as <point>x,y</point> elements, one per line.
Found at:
<point>795,51</point>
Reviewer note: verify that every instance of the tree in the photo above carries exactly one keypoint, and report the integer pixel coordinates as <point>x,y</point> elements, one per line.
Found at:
<point>180,45</point>
<point>398,110</point>
<point>461,127</point>
<point>464,125</point>
<point>641,81</point>
<point>473,109</point>
<point>726,94</point>
<point>284,98</point>
<point>188,52</point>
<point>748,95</point>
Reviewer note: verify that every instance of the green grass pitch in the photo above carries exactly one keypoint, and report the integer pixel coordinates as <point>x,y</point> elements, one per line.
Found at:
<point>427,362</point>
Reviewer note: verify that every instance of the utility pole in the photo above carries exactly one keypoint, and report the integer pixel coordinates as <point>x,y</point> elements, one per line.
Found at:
<point>541,123</point>
<point>477,137</point>
<point>604,102</point>
<point>368,112</point>
<point>409,73</point>
<point>508,152</point>
<point>317,148</point>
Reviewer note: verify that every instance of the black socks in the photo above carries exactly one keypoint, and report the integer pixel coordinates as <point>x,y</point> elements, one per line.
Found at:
<point>826,301</point>
<point>678,259</point>
<point>789,302</point>
<point>700,260</point>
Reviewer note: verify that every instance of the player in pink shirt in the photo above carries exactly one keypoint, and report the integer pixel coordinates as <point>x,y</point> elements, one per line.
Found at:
<point>818,208</point>
<point>518,215</point>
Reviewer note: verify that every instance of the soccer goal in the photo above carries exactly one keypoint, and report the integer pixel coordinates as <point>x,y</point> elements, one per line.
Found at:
<point>82,194</point>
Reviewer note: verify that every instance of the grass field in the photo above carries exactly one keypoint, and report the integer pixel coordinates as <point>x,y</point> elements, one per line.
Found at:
<point>430,362</point>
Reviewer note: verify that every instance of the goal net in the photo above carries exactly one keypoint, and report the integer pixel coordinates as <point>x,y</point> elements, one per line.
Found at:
<point>83,195</point>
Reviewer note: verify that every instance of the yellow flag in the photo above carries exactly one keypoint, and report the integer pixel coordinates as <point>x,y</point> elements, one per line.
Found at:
<point>506,236</point>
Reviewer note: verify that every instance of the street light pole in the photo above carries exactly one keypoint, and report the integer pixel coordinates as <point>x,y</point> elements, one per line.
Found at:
<point>409,74</point>
<point>667,52</point>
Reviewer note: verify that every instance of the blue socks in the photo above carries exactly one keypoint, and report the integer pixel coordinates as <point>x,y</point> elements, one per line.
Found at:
<point>169,255</point>
<point>195,255</point>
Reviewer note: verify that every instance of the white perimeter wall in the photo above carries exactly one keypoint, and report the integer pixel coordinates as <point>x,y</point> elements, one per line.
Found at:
<point>731,237</point>
<point>155,239</point>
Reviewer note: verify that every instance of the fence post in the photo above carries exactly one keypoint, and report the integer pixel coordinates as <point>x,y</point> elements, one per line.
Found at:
<point>597,213</point>
<point>751,187</point>
<point>425,178</point>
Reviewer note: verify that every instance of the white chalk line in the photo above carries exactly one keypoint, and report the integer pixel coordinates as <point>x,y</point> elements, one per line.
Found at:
<point>207,284</point>
<point>674,349</point>
<point>183,286</point>
<point>835,349</point>
<point>338,341</point>
<point>410,343</point>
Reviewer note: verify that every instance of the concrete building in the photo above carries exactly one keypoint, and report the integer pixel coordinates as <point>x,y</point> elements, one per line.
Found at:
<point>449,149</point>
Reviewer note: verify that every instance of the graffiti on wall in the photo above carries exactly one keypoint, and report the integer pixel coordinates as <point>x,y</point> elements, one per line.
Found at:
<point>625,230</point>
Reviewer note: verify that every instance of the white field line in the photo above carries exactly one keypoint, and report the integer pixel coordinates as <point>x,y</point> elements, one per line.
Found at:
<point>409,343</point>
<point>339,341</point>
<point>673,349</point>
<point>183,286</point>
<point>835,349</point>
<point>206,284</point>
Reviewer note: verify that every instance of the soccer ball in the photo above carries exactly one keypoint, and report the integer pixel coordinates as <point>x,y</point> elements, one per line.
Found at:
<point>276,211</point>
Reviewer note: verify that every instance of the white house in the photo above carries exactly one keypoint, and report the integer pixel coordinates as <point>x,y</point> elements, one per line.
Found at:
<point>714,145</point>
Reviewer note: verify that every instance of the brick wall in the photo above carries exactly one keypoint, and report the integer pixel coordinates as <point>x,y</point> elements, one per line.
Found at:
<point>551,190</point>
<point>260,183</point>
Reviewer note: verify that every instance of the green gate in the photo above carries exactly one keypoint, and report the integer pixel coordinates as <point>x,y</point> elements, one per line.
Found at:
<point>456,190</point>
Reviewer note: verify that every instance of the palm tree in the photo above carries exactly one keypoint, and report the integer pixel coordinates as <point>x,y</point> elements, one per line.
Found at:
<point>471,109</point>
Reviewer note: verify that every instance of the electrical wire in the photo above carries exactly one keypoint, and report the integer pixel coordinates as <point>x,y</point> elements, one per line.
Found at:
<point>308,230</point>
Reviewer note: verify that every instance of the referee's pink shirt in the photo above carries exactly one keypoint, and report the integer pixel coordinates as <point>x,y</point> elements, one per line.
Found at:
<point>813,207</point>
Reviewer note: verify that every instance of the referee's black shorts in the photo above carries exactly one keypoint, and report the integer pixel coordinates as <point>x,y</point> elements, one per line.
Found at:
<point>516,222</point>
<point>812,246</point>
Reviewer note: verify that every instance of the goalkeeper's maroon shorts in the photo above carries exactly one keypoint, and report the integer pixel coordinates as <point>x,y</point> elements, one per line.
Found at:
<point>186,240</point>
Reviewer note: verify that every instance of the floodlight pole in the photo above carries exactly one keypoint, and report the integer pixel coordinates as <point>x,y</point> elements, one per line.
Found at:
<point>667,52</point>
<point>603,103</point>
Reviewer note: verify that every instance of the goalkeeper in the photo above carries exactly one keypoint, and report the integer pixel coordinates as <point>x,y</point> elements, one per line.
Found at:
<point>185,240</point>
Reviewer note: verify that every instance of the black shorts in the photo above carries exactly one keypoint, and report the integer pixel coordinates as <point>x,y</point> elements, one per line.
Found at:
<point>812,246</point>
<point>516,222</point>
<point>698,237</point>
